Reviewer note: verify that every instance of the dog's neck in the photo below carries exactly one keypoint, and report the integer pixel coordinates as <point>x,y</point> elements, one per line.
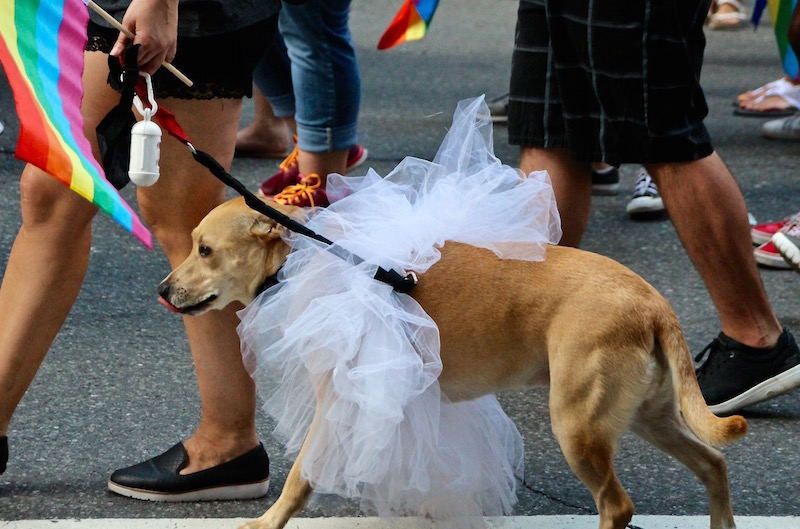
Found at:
<point>270,281</point>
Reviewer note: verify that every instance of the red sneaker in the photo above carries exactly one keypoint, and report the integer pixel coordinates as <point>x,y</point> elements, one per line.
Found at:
<point>761,233</point>
<point>288,174</point>
<point>356,157</point>
<point>767,254</point>
<point>308,192</point>
<point>787,242</point>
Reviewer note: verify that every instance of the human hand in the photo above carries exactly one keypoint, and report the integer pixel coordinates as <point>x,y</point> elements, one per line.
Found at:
<point>154,24</point>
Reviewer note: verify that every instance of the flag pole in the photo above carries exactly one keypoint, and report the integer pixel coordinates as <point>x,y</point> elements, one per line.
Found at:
<point>113,21</point>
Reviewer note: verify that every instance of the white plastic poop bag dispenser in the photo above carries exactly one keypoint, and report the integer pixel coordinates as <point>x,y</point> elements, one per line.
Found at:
<point>145,141</point>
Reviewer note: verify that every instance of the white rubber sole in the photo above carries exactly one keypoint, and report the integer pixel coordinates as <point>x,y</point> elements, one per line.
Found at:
<point>642,205</point>
<point>247,491</point>
<point>760,237</point>
<point>771,259</point>
<point>769,389</point>
<point>790,252</point>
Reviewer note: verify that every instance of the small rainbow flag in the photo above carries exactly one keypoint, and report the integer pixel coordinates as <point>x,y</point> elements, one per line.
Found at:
<point>41,49</point>
<point>410,23</point>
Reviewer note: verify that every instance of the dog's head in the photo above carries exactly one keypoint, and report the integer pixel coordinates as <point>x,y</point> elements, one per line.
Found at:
<point>234,250</point>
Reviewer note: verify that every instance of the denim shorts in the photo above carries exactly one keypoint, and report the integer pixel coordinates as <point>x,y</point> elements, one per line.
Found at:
<point>614,81</point>
<point>205,60</point>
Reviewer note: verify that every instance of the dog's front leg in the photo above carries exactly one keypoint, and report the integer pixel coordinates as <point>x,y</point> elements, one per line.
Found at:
<point>293,498</point>
<point>296,490</point>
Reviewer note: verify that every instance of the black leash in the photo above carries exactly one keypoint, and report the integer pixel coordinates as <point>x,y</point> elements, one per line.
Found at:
<point>399,283</point>
<point>114,137</point>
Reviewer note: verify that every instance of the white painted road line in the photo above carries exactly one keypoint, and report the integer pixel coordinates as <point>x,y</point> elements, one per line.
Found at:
<point>512,522</point>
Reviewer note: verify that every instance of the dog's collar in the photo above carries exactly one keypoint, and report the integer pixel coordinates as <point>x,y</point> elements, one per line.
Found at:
<point>270,281</point>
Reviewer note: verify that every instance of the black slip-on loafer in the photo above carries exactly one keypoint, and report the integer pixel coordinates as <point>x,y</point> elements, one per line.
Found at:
<point>159,478</point>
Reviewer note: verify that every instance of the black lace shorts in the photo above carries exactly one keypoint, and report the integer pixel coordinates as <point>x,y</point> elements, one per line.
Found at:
<point>220,66</point>
<point>616,81</point>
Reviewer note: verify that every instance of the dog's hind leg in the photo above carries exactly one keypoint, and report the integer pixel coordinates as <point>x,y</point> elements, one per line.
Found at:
<point>661,425</point>
<point>589,449</point>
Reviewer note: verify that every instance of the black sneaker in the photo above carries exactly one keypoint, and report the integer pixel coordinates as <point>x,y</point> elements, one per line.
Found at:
<point>159,478</point>
<point>733,375</point>
<point>3,453</point>
<point>605,181</point>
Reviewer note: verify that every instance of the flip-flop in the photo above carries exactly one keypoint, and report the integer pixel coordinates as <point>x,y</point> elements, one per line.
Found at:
<point>769,113</point>
<point>781,83</point>
<point>786,90</point>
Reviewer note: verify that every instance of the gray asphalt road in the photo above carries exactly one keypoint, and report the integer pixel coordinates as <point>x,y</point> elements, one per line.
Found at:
<point>118,385</point>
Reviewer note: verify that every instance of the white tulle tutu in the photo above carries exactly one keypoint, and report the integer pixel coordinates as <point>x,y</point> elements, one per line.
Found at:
<point>329,338</point>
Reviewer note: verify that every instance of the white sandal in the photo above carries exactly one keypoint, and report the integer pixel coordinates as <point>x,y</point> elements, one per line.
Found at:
<point>782,88</point>
<point>733,20</point>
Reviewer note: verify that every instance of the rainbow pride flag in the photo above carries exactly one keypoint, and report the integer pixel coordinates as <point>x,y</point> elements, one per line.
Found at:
<point>410,23</point>
<point>780,12</point>
<point>41,49</point>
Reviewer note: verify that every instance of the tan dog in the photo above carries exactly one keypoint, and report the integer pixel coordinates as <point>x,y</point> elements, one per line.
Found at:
<point>606,342</point>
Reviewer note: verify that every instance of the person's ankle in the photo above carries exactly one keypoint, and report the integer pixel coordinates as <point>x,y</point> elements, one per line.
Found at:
<point>755,340</point>
<point>206,452</point>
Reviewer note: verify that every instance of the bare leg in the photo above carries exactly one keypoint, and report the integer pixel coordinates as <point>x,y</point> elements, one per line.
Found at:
<point>710,216</point>
<point>173,207</point>
<point>45,271</point>
<point>572,184</point>
<point>267,135</point>
<point>47,263</point>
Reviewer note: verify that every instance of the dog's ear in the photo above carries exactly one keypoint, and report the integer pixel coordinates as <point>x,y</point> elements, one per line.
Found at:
<point>266,229</point>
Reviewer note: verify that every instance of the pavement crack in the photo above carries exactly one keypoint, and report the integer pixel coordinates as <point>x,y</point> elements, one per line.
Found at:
<point>566,503</point>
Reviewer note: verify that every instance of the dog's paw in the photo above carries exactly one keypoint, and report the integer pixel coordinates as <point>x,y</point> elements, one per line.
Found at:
<point>440,507</point>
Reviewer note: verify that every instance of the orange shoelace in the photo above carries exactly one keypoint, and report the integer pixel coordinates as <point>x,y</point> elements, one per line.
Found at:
<point>294,194</point>
<point>290,160</point>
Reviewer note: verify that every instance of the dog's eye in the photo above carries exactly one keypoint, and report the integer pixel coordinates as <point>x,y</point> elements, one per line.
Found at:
<point>204,251</point>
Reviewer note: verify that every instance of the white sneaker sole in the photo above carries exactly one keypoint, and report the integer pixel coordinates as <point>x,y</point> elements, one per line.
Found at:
<point>769,389</point>
<point>760,237</point>
<point>790,252</point>
<point>641,205</point>
<point>229,492</point>
<point>771,260</point>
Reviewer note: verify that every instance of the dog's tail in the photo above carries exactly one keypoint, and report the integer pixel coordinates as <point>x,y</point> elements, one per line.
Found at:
<point>716,431</point>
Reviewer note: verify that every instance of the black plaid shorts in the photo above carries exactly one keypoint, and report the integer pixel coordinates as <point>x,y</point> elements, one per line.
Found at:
<point>616,81</point>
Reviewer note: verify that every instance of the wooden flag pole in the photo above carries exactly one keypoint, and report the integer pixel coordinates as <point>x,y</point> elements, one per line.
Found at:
<point>113,21</point>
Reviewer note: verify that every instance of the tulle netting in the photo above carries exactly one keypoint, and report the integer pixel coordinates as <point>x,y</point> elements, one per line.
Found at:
<point>331,339</point>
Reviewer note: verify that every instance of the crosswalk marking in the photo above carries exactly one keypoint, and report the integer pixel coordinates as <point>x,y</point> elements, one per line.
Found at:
<point>511,522</point>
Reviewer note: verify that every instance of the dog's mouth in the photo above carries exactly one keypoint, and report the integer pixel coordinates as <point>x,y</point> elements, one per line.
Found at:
<point>191,309</point>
